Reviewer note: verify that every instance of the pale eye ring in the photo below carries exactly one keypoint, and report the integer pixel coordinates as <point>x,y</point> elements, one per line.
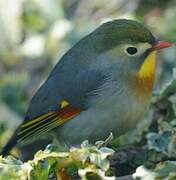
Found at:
<point>131,50</point>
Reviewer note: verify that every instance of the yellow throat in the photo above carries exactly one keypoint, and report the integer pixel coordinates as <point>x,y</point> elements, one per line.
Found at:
<point>143,81</point>
<point>148,68</point>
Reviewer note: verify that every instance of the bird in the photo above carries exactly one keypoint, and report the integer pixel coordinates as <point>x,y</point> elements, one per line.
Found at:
<point>103,84</point>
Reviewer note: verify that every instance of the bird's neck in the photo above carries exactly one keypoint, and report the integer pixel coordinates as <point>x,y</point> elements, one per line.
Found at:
<point>142,82</point>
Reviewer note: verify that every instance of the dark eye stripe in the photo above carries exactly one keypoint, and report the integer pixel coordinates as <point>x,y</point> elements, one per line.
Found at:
<point>132,50</point>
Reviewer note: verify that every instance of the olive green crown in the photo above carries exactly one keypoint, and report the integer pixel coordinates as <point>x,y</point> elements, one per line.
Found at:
<point>115,32</point>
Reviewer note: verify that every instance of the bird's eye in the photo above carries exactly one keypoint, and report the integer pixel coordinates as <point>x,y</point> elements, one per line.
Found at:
<point>131,50</point>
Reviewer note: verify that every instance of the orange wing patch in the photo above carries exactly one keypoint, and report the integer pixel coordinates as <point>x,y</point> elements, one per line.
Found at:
<point>68,112</point>
<point>44,123</point>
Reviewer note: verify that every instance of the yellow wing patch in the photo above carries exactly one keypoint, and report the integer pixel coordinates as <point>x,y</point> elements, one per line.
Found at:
<point>64,104</point>
<point>36,120</point>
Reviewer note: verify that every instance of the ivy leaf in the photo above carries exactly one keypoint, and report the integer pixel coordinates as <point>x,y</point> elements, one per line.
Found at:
<point>158,142</point>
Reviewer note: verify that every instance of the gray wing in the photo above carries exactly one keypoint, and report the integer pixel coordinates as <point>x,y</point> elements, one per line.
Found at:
<point>72,86</point>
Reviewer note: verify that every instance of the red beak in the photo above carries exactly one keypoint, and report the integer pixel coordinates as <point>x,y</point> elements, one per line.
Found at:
<point>162,44</point>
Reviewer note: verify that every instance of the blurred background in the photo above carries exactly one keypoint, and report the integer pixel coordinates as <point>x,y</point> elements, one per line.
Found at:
<point>34,34</point>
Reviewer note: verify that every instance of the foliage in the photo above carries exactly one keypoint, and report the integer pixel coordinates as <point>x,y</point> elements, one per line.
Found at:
<point>84,162</point>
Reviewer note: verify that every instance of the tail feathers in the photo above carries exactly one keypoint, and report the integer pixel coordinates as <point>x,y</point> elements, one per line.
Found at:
<point>11,143</point>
